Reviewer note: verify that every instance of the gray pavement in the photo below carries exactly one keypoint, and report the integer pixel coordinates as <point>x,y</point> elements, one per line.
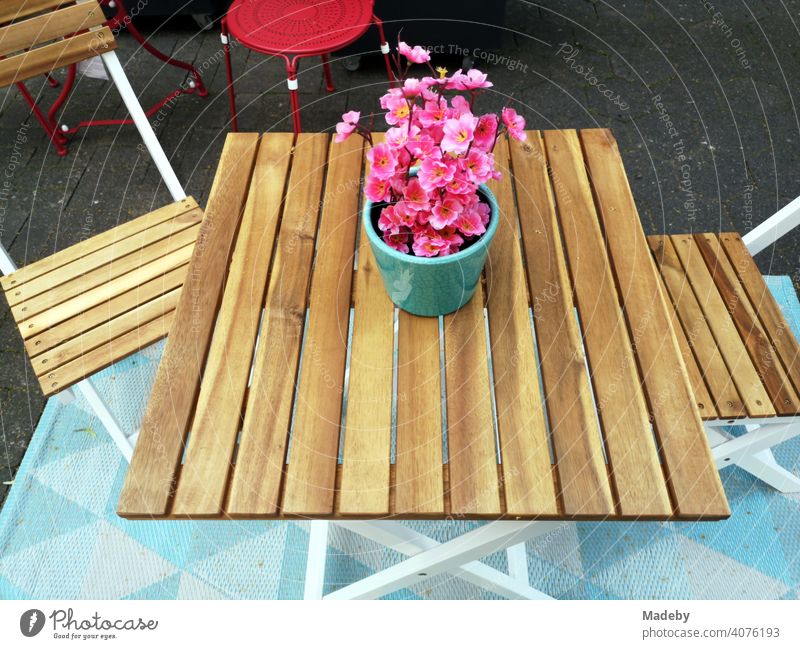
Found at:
<point>723,76</point>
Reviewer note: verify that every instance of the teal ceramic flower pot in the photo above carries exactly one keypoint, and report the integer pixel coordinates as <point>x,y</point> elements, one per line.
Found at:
<point>431,286</point>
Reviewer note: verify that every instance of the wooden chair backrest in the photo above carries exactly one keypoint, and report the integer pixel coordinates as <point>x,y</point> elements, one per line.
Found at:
<point>39,36</point>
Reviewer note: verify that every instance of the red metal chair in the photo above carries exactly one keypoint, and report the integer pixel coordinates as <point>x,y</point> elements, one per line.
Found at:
<point>293,29</point>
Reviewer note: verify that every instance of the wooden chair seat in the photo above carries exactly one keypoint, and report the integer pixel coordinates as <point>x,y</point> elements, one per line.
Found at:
<point>740,353</point>
<point>38,37</point>
<point>92,304</point>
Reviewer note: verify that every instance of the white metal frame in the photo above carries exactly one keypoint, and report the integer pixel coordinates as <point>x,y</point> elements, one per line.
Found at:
<point>428,558</point>
<point>7,265</point>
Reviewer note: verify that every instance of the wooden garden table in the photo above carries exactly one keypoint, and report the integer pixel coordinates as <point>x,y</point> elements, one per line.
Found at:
<point>291,388</point>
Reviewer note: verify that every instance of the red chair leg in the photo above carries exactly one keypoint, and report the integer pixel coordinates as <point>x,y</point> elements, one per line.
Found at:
<point>291,81</point>
<point>49,127</point>
<point>226,49</point>
<point>384,49</point>
<point>326,68</point>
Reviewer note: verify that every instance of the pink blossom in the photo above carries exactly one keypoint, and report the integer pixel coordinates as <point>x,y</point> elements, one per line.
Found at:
<point>474,80</point>
<point>388,220</point>
<point>415,196</point>
<point>460,184</point>
<point>515,124</point>
<point>412,87</point>
<point>485,132</point>
<point>343,131</point>
<point>397,137</point>
<point>460,106</point>
<point>434,173</point>
<point>469,222</point>
<point>429,243</point>
<point>383,160</point>
<point>458,134</point>
<point>416,54</point>
<point>484,211</point>
<point>454,240</point>
<point>445,212</point>
<point>478,165</point>
<point>377,189</point>
<point>398,110</point>
<point>434,112</point>
<point>351,117</point>
<point>392,93</point>
<point>397,240</point>
<point>404,213</point>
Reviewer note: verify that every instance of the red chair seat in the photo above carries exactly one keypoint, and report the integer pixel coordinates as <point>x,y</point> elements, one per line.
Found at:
<point>298,27</point>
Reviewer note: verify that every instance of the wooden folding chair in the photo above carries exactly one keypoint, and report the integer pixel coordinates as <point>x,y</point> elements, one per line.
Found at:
<point>100,300</point>
<point>743,361</point>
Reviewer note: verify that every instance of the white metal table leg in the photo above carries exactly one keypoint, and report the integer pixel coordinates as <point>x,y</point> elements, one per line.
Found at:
<point>402,539</point>
<point>315,565</point>
<point>7,265</point>
<point>518,562</point>
<point>752,453</point>
<point>143,124</point>
<point>107,418</point>
<point>768,232</point>
<point>764,467</point>
<point>446,557</point>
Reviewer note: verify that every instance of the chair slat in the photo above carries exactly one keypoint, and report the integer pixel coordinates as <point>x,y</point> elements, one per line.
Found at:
<point>693,477</point>
<point>49,26</point>
<point>19,9</point>
<point>75,277</point>
<point>528,475</point>
<point>111,279</point>
<point>104,333</point>
<point>692,322</point>
<point>737,361</point>
<point>419,487</point>
<point>632,456</point>
<point>107,310</point>
<point>256,484</point>
<point>767,363</point>
<point>166,422</point>
<point>101,357</point>
<point>764,305</point>
<point>55,55</point>
<point>471,448</point>
<point>583,477</point>
<point>368,422</point>
<point>207,463</point>
<point>108,238</point>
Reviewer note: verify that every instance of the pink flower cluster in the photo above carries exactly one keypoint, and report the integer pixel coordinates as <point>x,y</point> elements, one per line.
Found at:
<point>433,158</point>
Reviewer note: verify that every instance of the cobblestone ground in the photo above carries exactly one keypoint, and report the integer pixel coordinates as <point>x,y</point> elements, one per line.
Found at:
<point>720,75</point>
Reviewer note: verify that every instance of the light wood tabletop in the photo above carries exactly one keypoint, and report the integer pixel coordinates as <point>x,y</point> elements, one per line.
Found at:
<point>291,387</point>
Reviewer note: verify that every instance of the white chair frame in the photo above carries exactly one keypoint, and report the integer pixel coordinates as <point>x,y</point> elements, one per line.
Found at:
<point>124,441</point>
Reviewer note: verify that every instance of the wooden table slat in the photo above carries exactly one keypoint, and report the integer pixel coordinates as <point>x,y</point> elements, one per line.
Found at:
<point>321,384</point>
<point>527,471</point>
<point>472,455</point>
<point>764,305</point>
<point>583,476</point>
<point>694,481</point>
<point>693,323</point>
<point>149,481</point>
<point>737,361</point>
<point>765,360</point>
<point>368,421</point>
<point>632,455</point>
<point>207,463</point>
<point>419,487</point>
<point>267,414</point>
